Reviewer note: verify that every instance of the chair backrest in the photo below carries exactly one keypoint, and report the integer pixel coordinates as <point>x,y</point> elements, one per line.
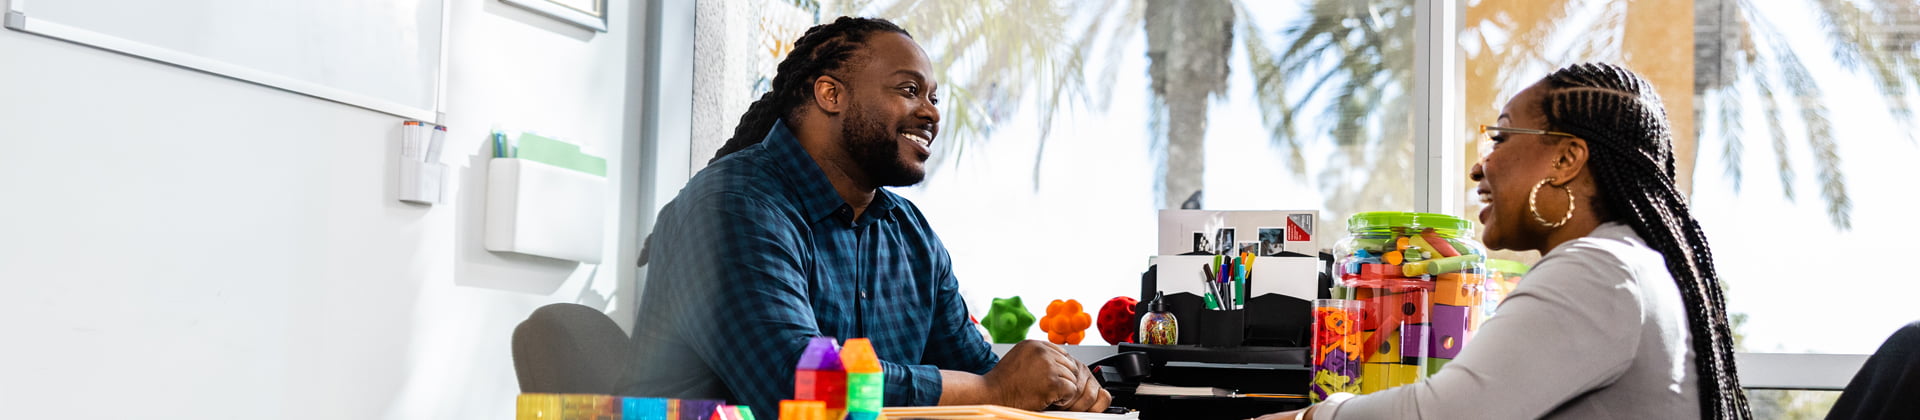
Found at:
<point>570,349</point>
<point>1887,385</point>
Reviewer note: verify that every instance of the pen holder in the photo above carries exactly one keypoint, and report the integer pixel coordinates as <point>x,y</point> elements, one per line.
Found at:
<point>1223,328</point>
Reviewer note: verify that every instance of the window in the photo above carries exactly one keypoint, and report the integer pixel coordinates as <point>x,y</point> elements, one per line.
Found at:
<point>1790,126</point>
<point>1162,100</point>
<point>1790,154</point>
<point>1069,123</point>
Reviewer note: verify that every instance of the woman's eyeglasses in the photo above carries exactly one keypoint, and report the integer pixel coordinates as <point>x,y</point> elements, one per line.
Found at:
<point>1486,129</point>
<point>1486,136</point>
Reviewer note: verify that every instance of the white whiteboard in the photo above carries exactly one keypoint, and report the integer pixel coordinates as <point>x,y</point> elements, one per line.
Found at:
<point>383,55</point>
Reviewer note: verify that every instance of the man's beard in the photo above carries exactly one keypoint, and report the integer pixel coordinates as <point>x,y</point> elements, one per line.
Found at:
<point>876,149</point>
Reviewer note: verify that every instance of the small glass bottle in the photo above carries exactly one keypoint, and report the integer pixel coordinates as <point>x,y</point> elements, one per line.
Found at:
<point>1158,326</point>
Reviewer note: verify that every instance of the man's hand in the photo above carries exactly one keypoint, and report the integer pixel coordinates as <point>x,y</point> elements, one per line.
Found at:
<point>1036,375</point>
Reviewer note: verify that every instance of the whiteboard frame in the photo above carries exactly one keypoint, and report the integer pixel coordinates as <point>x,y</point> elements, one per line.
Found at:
<point>566,14</point>
<point>18,19</point>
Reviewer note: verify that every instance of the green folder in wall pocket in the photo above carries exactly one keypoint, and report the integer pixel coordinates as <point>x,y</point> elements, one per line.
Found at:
<point>558,153</point>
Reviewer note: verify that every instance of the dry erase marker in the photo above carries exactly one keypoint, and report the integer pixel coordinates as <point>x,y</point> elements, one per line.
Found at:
<point>433,145</point>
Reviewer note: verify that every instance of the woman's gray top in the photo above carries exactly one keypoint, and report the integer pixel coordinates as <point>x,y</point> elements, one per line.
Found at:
<point>1595,331</point>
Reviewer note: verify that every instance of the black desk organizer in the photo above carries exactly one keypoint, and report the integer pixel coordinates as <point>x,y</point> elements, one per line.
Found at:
<point>1259,349</point>
<point>1266,320</point>
<point>1246,369</point>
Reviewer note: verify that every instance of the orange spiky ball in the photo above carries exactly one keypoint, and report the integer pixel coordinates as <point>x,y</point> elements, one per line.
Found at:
<point>1066,322</point>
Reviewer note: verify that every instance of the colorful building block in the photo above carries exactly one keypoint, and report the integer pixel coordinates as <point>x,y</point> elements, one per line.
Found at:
<point>1458,289</point>
<point>1449,331</point>
<point>1381,347</point>
<point>589,406</point>
<point>644,409</point>
<point>803,410</point>
<point>537,407</point>
<point>866,379</point>
<point>820,376</point>
<point>1415,340</point>
<point>1375,377</point>
<point>698,409</point>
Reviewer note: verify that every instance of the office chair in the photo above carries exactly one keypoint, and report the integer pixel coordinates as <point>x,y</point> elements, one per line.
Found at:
<point>1887,384</point>
<point>569,349</point>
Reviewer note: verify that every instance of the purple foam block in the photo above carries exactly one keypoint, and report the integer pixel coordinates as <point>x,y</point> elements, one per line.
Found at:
<point>1449,330</point>
<point>1413,341</point>
<point>821,354</point>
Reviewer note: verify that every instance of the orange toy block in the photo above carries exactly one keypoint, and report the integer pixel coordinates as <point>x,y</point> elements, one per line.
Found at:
<point>1066,322</point>
<point>1458,289</point>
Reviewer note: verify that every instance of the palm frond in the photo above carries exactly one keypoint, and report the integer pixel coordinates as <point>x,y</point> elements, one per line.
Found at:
<point>1731,127</point>
<point>1819,128</point>
<point>1865,38</point>
<point>1270,92</point>
<point>1776,129</point>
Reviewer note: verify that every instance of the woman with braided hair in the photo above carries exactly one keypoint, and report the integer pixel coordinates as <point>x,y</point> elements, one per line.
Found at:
<point>1622,317</point>
<point>789,234</point>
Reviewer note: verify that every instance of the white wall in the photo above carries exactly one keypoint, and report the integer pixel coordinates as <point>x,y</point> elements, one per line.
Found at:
<point>179,245</point>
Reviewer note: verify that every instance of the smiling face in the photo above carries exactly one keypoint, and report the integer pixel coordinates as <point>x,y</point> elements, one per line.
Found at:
<point>891,123</point>
<point>1509,171</point>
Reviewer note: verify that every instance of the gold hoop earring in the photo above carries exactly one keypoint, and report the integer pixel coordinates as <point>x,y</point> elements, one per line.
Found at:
<point>1533,205</point>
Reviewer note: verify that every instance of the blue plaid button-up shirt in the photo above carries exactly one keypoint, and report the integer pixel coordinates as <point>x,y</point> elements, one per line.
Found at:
<point>759,253</point>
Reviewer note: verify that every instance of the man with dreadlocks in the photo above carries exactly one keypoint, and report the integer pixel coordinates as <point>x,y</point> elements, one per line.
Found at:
<point>1622,317</point>
<point>788,235</point>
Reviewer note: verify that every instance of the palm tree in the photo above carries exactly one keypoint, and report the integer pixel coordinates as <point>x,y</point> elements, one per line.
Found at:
<point>1188,45</point>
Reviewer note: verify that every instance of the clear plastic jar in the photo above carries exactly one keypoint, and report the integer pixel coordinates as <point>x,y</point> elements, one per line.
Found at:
<point>1421,280</point>
<point>1502,277</point>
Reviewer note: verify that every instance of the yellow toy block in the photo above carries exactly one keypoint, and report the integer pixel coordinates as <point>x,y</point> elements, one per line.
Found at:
<point>1376,377</point>
<point>1386,350</point>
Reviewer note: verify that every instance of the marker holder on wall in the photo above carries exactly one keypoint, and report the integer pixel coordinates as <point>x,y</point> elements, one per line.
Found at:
<point>422,182</point>
<point>422,176</point>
